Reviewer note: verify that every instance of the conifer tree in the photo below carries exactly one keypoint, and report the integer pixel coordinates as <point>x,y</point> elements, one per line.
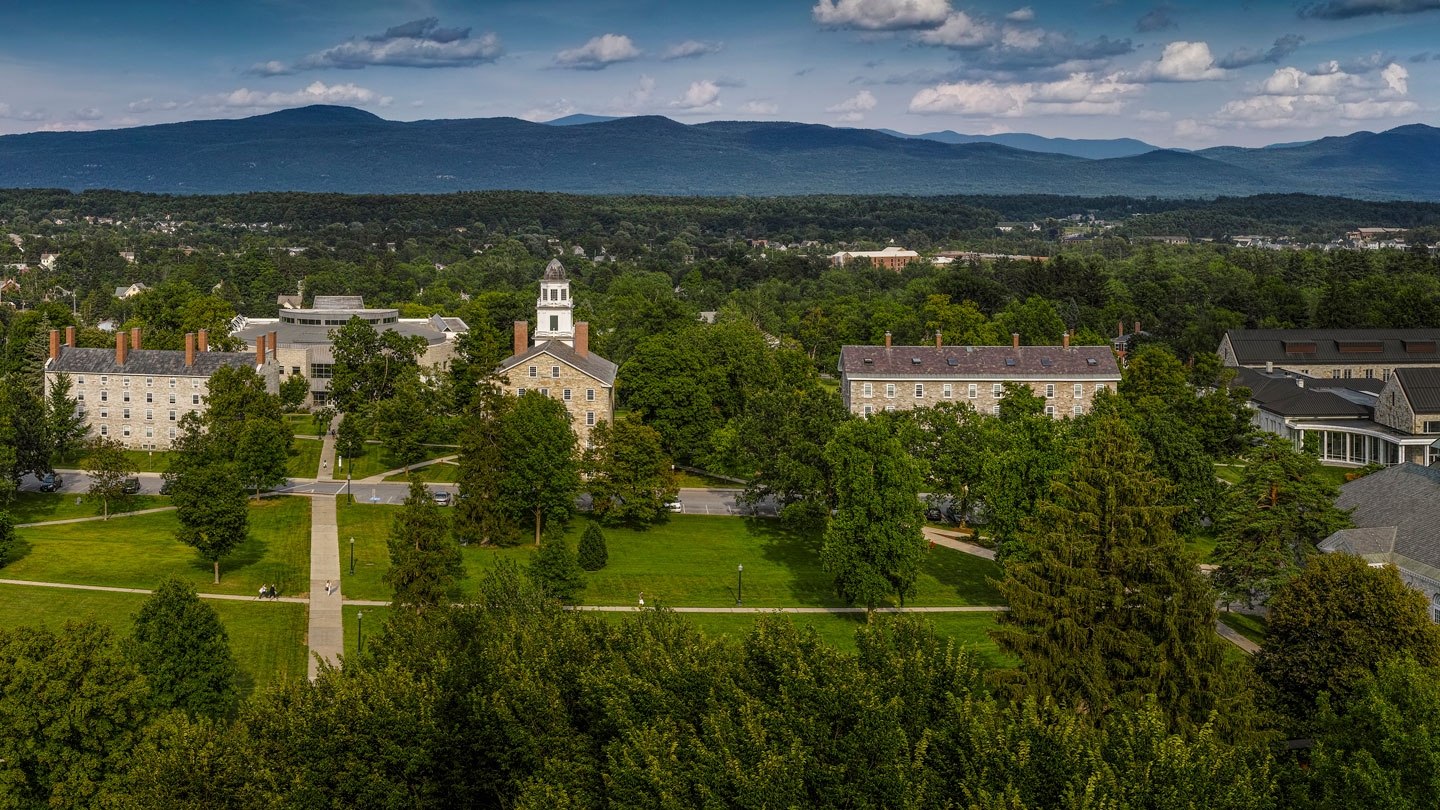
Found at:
<point>555,568</point>
<point>592,554</point>
<point>425,560</point>
<point>1109,606</point>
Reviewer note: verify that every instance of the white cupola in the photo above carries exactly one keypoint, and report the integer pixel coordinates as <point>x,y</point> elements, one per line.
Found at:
<point>554,311</point>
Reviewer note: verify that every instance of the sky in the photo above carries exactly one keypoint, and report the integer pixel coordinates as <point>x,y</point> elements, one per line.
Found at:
<point>1172,73</point>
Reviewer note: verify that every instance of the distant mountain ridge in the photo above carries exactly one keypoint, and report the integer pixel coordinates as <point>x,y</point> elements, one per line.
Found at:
<point>342,149</point>
<point>1094,149</point>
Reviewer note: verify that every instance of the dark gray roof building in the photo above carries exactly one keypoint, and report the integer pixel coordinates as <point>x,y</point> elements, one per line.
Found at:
<point>1422,388</point>
<point>144,362</point>
<point>591,364</point>
<point>1290,348</point>
<point>1397,519</point>
<point>980,362</point>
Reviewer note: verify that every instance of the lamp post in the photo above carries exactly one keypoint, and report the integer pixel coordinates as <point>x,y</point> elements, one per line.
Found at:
<point>739,584</point>
<point>360,626</point>
<point>352,556</point>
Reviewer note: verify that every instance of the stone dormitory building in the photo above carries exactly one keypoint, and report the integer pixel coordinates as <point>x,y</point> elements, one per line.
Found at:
<point>138,396</point>
<point>560,363</point>
<point>1354,396</point>
<point>887,378</point>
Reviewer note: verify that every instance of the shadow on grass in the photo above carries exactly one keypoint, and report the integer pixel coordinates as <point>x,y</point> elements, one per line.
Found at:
<point>967,575</point>
<point>20,548</point>
<point>797,551</point>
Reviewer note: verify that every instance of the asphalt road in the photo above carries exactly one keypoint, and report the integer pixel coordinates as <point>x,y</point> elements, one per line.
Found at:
<point>692,501</point>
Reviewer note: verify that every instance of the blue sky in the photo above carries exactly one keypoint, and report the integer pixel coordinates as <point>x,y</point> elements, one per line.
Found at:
<point>1173,73</point>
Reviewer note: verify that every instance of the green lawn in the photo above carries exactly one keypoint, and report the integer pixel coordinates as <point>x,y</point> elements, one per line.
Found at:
<point>144,461</point>
<point>303,424</point>
<point>442,473</point>
<point>1203,543</point>
<point>34,507</point>
<point>689,480</point>
<point>688,561</point>
<point>304,458</point>
<point>1251,627</point>
<point>268,639</point>
<point>378,460</point>
<point>135,552</point>
<point>1230,473</point>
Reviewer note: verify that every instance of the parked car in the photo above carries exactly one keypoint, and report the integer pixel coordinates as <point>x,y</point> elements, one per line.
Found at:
<point>167,486</point>
<point>442,498</point>
<point>51,482</point>
<point>131,486</point>
<point>675,506</point>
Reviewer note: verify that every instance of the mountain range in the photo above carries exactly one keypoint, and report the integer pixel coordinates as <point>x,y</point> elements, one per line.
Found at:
<point>342,149</point>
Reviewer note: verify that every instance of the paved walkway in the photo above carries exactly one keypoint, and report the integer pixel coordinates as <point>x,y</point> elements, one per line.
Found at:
<point>953,540</point>
<point>379,478</point>
<point>226,596</point>
<point>1235,638</point>
<point>327,631</point>
<point>95,517</point>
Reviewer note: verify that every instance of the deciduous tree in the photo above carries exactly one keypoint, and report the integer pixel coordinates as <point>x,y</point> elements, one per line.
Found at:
<point>108,466</point>
<point>541,473</point>
<point>210,505</point>
<point>183,651</point>
<point>629,476</point>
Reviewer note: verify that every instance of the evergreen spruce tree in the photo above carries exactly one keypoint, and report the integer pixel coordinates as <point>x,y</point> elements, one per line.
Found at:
<point>184,652</point>
<point>592,554</point>
<point>7,537</point>
<point>425,560</point>
<point>555,568</point>
<point>480,516</point>
<point>1109,607</point>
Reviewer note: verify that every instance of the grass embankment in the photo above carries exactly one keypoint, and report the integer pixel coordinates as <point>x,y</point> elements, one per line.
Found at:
<point>136,552</point>
<point>1251,627</point>
<point>377,460</point>
<point>268,639</point>
<point>37,507</point>
<point>444,472</point>
<point>689,561</point>
<point>143,460</point>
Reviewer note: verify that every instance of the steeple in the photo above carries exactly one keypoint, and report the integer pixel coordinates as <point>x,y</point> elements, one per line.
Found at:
<point>554,311</point>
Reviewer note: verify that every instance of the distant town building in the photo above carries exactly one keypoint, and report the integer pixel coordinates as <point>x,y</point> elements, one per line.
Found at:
<point>128,256</point>
<point>888,378</point>
<point>47,260</point>
<point>891,258</point>
<point>125,293</point>
<point>1369,234</point>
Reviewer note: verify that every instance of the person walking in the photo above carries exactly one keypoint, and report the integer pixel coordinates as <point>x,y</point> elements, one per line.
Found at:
<point>642,599</point>
<point>262,592</point>
<point>327,587</point>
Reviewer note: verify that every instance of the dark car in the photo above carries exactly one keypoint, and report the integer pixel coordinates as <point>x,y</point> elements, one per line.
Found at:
<point>51,482</point>
<point>442,498</point>
<point>131,486</point>
<point>167,486</point>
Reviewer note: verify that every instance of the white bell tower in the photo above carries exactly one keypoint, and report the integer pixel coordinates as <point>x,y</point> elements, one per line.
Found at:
<point>555,311</point>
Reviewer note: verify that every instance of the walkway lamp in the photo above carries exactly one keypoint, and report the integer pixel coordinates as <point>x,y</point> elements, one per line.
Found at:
<point>352,556</point>
<point>739,585</point>
<point>360,626</point>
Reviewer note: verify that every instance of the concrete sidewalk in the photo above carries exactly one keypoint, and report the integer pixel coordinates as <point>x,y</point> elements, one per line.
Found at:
<point>229,597</point>
<point>952,540</point>
<point>327,638</point>
<point>380,477</point>
<point>95,517</point>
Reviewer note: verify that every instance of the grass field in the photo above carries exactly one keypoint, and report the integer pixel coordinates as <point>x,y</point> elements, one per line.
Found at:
<point>688,561</point>
<point>689,480</point>
<point>442,473</point>
<point>303,424</point>
<point>378,460</point>
<point>135,552</point>
<point>35,507</point>
<point>304,458</point>
<point>268,639</point>
<point>144,461</point>
<point>1251,627</point>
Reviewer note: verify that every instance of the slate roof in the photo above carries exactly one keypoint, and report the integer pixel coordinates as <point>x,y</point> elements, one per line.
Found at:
<point>154,362</point>
<point>1279,394</point>
<point>1422,388</point>
<point>1404,498</point>
<point>980,361</point>
<point>294,335</point>
<point>1253,347</point>
<point>591,364</point>
<point>554,271</point>
<point>338,302</point>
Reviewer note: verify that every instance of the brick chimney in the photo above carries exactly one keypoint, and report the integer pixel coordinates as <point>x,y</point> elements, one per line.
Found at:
<point>274,344</point>
<point>1137,327</point>
<point>203,341</point>
<point>135,337</point>
<point>938,342</point>
<point>54,345</point>
<point>1014,340</point>
<point>189,349</point>
<point>259,350</point>
<point>70,336</point>
<point>522,337</point>
<point>887,338</point>
<point>582,339</point>
<point>120,348</point>
<point>1122,328</point>
<point>1065,340</point>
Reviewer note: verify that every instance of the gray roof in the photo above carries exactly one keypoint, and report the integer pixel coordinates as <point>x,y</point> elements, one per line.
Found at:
<point>1422,388</point>
<point>154,362</point>
<point>1279,393</point>
<point>591,364</point>
<point>1076,362</point>
<point>1404,499</point>
<point>299,336</point>
<point>1253,347</point>
<point>338,302</point>
<point>554,271</point>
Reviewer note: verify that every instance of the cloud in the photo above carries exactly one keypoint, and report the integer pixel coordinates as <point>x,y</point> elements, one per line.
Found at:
<point>854,108</point>
<point>805,71</point>
<point>960,30</point>
<point>418,44</point>
<point>701,96</point>
<point>151,105</point>
<point>880,15</point>
<point>274,67</point>
<point>729,81</point>
<point>1152,116</point>
<point>598,53</point>
<point>1368,63</point>
<point>690,49</point>
<point>87,114</point>
<point>986,45</point>
<point>66,126</point>
<point>1025,14</point>
<point>1245,57</point>
<point>1291,97</point>
<point>1078,94</point>
<point>1159,18</point>
<point>559,109</point>
<point>6,111</point>
<point>1182,62</point>
<point>314,93</point>
<point>760,106</point>
<point>1420,58</point>
<point>427,28</point>
<point>1347,9</point>
<point>636,101</point>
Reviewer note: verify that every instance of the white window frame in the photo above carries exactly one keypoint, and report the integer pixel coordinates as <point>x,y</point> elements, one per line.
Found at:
<point>565,394</point>
<point>554,372</point>
<point>1079,410</point>
<point>1101,387</point>
<point>589,418</point>
<point>867,390</point>
<point>919,390</point>
<point>534,371</point>
<point>947,391</point>
<point>997,390</point>
<point>889,390</point>
<point>1049,390</point>
<point>972,391</point>
<point>1079,390</point>
<point>589,394</point>
<point>1050,410</point>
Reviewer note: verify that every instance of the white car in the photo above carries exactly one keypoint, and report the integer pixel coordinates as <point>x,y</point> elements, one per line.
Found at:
<point>675,506</point>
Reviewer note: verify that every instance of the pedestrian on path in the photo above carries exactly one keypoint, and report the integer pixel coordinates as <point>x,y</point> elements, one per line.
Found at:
<point>262,592</point>
<point>327,587</point>
<point>642,599</point>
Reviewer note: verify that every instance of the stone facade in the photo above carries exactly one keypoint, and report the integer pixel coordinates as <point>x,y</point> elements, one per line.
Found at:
<point>1062,397</point>
<point>1393,410</point>
<point>589,400</point>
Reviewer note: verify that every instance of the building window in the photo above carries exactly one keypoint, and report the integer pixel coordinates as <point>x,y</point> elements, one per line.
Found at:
<point>194,399</point>
<point>104,396</point>
<point>79,396</point>
<point>195,383</point>
<point>1079,390</point>
<point>890,389</point>
<point>125,381</point>
<point>554,371</point>
<point>533,371</point>
<point>946,390</point>
<point>149,432</point>
<point>172,398</point>
<point>544,392</point>
<point>1101,387</point>
<point>104,413</point>
<point>997,390</point>
<point>890,408</point>
<point>124,413</point>
<point>565,394</point>
<point>172,382</point>
<point>589,394</point>
<point>1369,373</point>
<point>80,380</point>
<point>868,389</point>
<point>1049,390</point>
<point>589,417</point>
<point>1347,373</point>
<point>1079,410</point>
<point>995,410</point>
<point>519,392</point>
<point>125,430</point>
<point>149,397</point>
<point>1432,427</point>
<point>973,390</point>
<point>104,380</point>
<point>149,414</point>
<point>104,430</point>
<point>867,410</point>
<point>1049,410</point>
<point>919,390</point>
<point>172,433</point>
<point>149,382</point>
<point>554,323</point>
<point>125,396</point>
<point>172,416</point>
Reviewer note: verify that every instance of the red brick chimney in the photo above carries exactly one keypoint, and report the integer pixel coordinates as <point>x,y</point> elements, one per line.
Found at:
<point>1122,328</point>
<point>274,344</point>
<point>1014,340</point>
<point>1137,327</point>
<point>189,348</point>
<point>120,348</point>
<point>1065,340</point>
<point>522,337</point>
<point>938,342</point>
<point>582,339</point>
<point>887,338</point>
<point>135,337</point>
<point>70,336</point>
<point>260,350</point>
<point>203,341</point>
<point>54,344</point>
